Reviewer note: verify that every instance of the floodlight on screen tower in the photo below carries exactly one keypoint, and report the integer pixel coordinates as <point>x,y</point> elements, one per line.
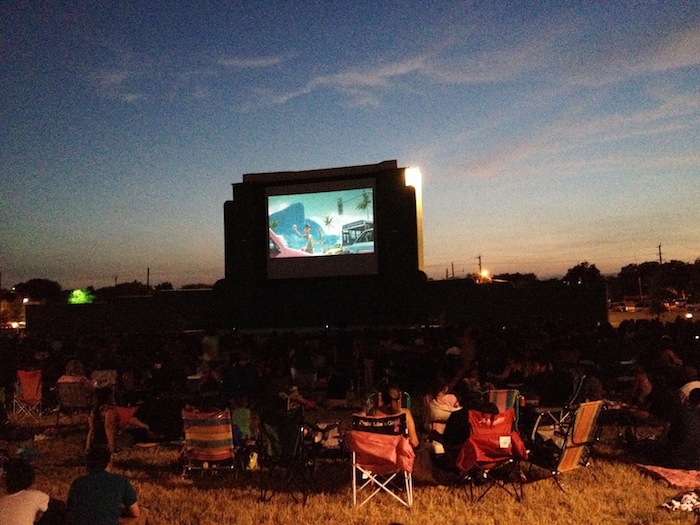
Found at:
<point>414,178</point>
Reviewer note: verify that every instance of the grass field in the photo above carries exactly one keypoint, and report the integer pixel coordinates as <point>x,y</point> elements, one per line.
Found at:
<point>619,495</point>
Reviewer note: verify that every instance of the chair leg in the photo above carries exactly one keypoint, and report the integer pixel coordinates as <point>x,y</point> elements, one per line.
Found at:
<point>354,483</point>
<point>555,477</point>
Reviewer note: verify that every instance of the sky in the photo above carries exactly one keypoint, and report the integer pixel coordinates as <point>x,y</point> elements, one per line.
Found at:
<point>547,133</point>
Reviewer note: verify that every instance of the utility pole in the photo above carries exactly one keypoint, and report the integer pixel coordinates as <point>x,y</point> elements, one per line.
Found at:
<point>660,261</point>
<point>639,283</point>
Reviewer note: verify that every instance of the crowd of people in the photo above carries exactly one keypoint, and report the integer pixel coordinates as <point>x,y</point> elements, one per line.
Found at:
<point>649,368</point>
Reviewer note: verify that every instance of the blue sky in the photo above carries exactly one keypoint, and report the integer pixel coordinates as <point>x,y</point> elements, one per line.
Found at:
<point>548,133</point>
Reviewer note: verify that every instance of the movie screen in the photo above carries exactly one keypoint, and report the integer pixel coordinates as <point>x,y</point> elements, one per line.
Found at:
<point>321,223</point>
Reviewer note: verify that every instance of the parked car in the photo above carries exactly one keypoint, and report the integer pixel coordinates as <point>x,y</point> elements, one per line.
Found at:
<point>618,307</point>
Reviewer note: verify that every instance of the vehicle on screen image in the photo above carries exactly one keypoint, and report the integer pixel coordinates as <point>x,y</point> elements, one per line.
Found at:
<point>352,232</point>
<point>277,247</point>
<point>336,249</point>
<point>363,244</point>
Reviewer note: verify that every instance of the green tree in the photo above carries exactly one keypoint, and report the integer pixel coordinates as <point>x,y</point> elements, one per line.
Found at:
<point>518,279</point>
<point>365,203</point>
<point>39,290</point>
<point>583,273</point>
<point>196,286</point>
<point>132,289</point>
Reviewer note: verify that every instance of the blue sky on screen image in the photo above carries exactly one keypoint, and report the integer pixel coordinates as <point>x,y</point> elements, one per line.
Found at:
<point>327,213</point>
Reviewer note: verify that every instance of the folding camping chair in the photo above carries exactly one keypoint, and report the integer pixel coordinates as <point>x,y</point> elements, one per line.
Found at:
<point>560,417</point>
<point>381,453</point>
<point>208,446</point>
<point>73,398</point>
<point>492,454</point>
<point>505,399</point>
<point>564,448</point>
<point>285,454</point>
<point>27,400</point>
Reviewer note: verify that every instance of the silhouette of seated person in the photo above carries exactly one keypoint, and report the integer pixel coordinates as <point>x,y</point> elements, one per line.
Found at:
<point>679,446</point>
<point>512,374</point>
<point>157,420</point>
<point>75,373</point>
<point>102,497</point>
<point>546,386</point>
<point>439,404</point>
<point>457,428</point>
<point>690,382</point>
<point>21,504</point>
<point>391,405</point>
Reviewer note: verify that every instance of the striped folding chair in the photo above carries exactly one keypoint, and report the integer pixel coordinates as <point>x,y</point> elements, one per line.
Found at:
<point>208,443</point>
<point>572,445</point>
<point>505,399</point>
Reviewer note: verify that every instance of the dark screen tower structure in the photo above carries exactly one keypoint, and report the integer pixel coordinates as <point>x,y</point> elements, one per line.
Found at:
<point>381,284</point>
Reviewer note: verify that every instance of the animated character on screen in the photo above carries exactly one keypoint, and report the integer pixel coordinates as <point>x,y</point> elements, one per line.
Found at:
<point>309,248</point>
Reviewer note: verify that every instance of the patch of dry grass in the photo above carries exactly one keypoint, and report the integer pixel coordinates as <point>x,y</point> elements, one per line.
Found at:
<point>620,495</point>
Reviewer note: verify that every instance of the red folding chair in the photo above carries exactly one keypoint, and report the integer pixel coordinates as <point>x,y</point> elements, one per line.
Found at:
<point>381,453</point>
<point>492,454</point>
<point>27,401</point>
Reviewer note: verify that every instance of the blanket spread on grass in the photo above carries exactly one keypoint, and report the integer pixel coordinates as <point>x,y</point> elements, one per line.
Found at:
<point>684,479</point>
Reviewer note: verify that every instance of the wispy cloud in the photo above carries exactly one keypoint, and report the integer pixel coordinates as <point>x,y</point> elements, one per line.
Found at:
<point>357,83</point>
<point>640,56</point>
<point>585,124</point>
<point>250,63</point>
<point>112,78</point>
<point>547,54</point>
<point>118,84</point>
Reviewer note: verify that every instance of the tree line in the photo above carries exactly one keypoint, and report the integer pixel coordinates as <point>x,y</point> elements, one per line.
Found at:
<point>672,280</point>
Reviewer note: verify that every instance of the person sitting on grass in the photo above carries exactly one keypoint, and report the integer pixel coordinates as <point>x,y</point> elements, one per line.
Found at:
<point>22,505</point>
<point>679,447</point>
<point>102,497</point>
